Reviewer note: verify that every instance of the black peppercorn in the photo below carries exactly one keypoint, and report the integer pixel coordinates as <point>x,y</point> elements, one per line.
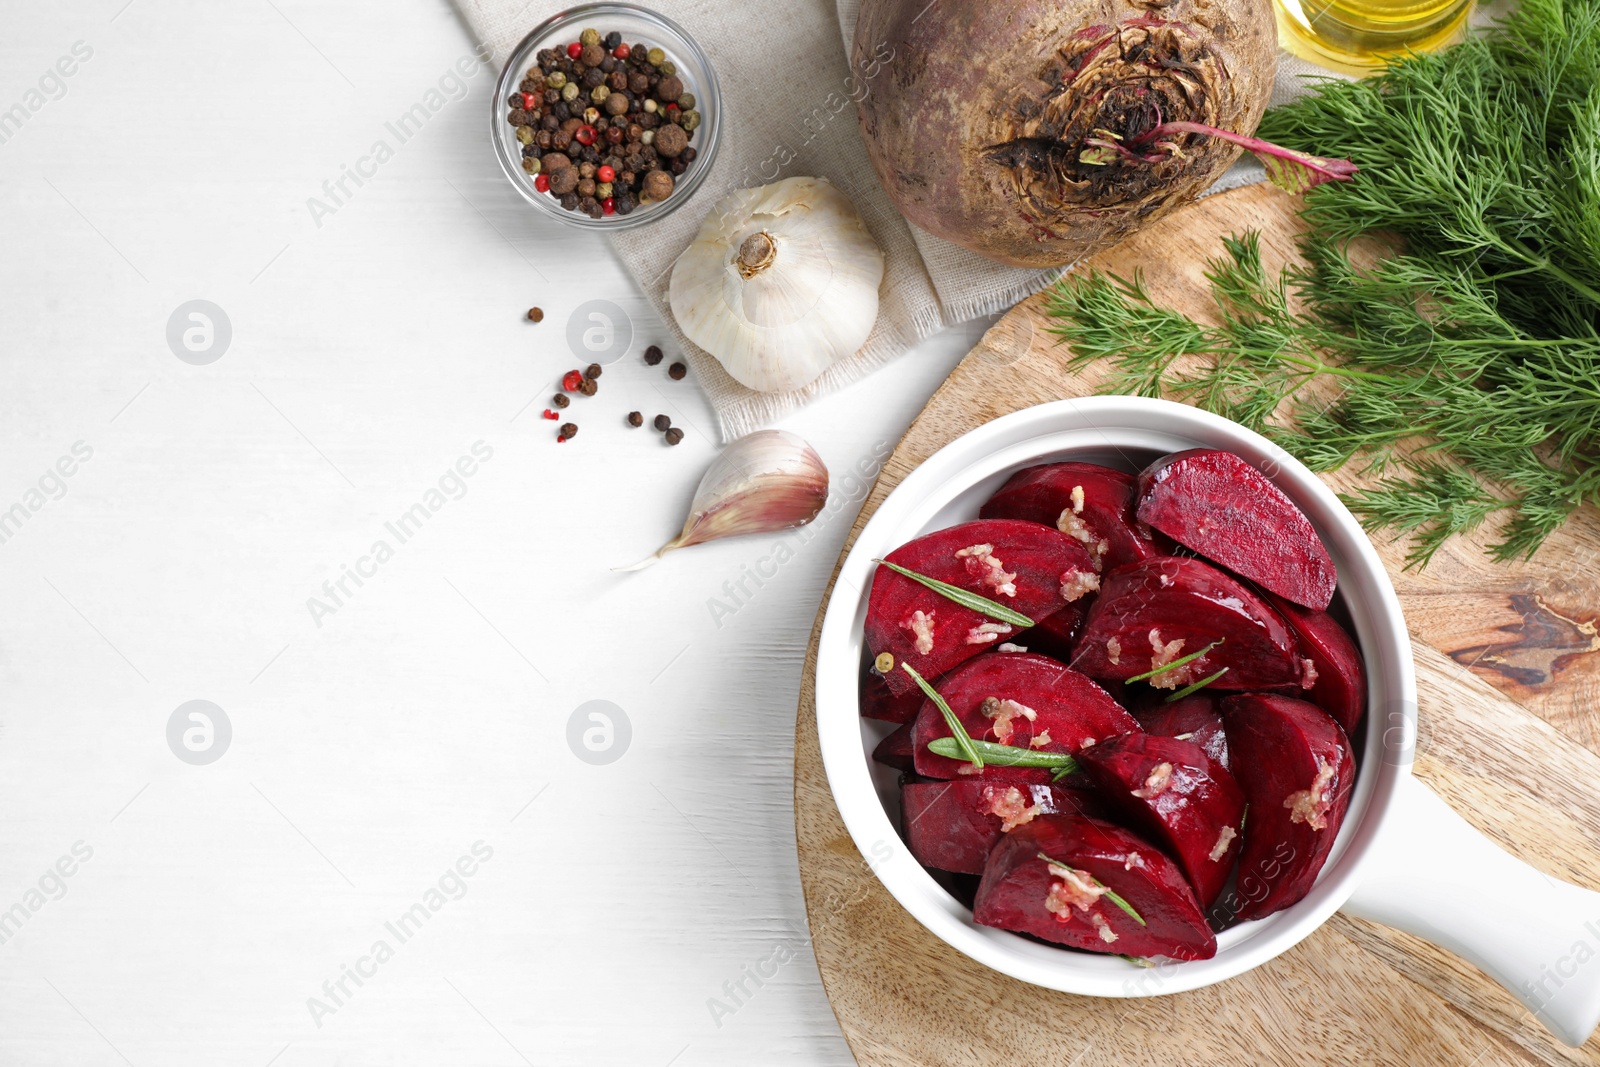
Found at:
<point>662,423</point>
<point>561,400</point>
<point>569,429</point>
<point>592,371</point>
<point>612,41</point>
<point>674,435</point>
<point>677,371</point>
<point>589,386</point>
<point>635,419</point>
<point>652,355</point>
<point>536,314</point>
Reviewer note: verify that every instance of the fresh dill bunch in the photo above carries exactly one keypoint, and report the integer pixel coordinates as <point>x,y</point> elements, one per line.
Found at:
<point>1467,364</point>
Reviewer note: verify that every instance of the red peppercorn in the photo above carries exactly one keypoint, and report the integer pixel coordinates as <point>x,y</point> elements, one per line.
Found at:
<point>572,380</point>
<point>621,51</point>
<point>575,49</point>
<point>584,135</point>
<point>529,101</point>
<point>673,107</point>
<point>608,205</point>
<point>552,416</point>
<point>606,174</point>
<point>541,182</point>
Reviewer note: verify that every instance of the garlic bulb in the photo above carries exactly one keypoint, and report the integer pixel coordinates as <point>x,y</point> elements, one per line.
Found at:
<point>766,481</point>
<point>780,282</point>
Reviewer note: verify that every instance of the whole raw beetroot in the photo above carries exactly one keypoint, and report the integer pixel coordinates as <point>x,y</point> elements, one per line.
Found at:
<point>982,117</point>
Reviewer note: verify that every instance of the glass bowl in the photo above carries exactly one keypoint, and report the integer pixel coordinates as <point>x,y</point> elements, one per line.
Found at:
<point>637,25</point>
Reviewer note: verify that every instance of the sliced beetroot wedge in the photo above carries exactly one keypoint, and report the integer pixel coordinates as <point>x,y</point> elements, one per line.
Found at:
<point>1020,699</point>
<point>1226,510</point>
<point>1194,718</point>
<point>1153,613</point>
<point>953,825</point>
<point>895,750</point>
<point>1090,503</point>
<point>1031,569</point>
<point>1054,634</point>
<point>1336,680</point>
<point>1178,797</point>
<point>878,702</point>
<point>1067,901</point>
<point>1294,764</point>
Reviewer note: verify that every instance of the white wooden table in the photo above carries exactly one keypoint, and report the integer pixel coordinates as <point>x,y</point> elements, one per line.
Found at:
<point>396,857</point>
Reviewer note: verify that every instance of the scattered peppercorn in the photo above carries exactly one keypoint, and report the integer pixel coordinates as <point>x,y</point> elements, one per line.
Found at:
<point>617,114</point>
<point>652,355</point>
<point>674,435</point>
<point>662,423</point>
<point>552,416</point>
<point>635,419</point>
<point>677,371</point>
<point>568,429</point>
<point>561,400</point>
<point>536,314</point>
<point>571,380</point>
<point>592,371</point>
<point>588,387</point>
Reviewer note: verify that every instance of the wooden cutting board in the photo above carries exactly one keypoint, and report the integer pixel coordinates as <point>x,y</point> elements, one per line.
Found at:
<point>1508,730</point>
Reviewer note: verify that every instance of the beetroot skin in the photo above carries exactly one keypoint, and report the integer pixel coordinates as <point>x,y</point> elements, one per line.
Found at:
<point>952,826</point>
<point>895,749</point>
<point>979,116</point>
<point>1021,699</point>
<point>1026,567</point>
<point>1294,764</point>
<point>1029,895</point>
<point>1179,797</point>
<point>1087,502</point>
<point>1338,676</point>
<point>1194,718</point>
<point>1163,609</point>
<point>1223,508</point>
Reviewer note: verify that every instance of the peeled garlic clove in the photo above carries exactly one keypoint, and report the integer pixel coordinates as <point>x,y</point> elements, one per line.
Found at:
<point>766,481</point>
<point>780,282</point>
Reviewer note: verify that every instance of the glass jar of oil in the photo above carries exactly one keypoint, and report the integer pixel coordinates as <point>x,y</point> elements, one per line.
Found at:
<point>1356,36</point>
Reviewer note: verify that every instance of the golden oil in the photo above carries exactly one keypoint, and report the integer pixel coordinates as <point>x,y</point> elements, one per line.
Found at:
<point>1356,36</point>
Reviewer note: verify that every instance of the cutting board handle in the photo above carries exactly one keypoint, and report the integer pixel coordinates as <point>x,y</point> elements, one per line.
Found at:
<point>1432,874</point>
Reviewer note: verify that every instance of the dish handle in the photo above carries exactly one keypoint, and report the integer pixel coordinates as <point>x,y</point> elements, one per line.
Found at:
<point>1432,874</point>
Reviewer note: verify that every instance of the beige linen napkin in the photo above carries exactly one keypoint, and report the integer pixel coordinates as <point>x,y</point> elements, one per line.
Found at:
<point>787,111</point>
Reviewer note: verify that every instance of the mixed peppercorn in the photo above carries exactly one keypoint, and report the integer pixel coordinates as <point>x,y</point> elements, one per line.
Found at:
<point>604,126</point>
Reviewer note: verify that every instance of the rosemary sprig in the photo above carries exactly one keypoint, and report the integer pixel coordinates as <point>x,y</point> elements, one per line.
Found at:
<point>1467,367</point>
<point>1006,755</point>
<point>1192,689</point>
<point>966,599</point>
<point>1179,662</point>
<point>958,732</point>
<point>1111,894</point>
